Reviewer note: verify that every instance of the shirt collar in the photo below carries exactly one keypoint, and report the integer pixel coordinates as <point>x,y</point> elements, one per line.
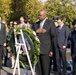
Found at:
<point>42,23</point>
<point>44,20</point>
<point>62,25</point>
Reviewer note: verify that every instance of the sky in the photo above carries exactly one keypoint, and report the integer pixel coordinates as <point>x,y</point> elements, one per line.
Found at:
<point>43,0</point>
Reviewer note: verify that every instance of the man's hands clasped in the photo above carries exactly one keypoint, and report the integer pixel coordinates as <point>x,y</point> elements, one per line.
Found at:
<point>40,30</point>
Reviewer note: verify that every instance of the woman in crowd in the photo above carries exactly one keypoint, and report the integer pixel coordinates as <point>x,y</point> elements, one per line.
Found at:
<point>12,55</point>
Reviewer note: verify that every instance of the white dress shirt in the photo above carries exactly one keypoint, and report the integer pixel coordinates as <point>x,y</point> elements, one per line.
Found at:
<point>0,26</point>
<point>42,23</point>
<point>61,26</point>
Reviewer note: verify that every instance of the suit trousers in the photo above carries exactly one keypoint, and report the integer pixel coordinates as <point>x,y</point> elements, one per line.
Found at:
<point>1,53</point>
<point>43,65</point>
<point>56,61</point>
<point>74,64</point>
<point>62,53</point>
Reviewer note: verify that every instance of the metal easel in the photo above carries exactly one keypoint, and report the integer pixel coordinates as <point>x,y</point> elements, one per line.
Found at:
<point>18,47</point>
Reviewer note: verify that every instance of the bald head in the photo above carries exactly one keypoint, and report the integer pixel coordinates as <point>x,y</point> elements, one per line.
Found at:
<point>42,15</point>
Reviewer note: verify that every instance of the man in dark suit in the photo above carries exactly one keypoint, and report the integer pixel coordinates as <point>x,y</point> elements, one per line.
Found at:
<point>54,55</point>
<point>2,40</point>
<point>72,38</point>
<point>62,35</point>
<point>46,32</point>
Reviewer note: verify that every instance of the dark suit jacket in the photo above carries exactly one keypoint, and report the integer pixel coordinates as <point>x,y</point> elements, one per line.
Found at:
<point>3,39</point>
<point>47,39</point>
<point>2,34</point>
<point>62,36</point>
<point>73,44</point>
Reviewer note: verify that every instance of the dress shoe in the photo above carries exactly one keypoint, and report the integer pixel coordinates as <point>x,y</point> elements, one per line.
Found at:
<point>58,73</point>
<point>64,73</point>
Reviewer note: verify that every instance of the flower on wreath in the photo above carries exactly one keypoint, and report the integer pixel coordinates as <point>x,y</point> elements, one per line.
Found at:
<point>22,52</point>
<point>36,36</point>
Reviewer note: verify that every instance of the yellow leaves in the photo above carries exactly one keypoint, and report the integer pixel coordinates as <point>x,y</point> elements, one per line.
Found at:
<point>5,8</point>
<point>61,8</point>
<point>32,9</point>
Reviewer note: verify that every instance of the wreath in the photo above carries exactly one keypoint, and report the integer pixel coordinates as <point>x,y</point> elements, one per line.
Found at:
<point>32,43</point>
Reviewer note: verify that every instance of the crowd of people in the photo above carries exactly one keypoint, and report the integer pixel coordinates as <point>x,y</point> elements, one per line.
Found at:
<point>24,22</point>
<point>53,36</point>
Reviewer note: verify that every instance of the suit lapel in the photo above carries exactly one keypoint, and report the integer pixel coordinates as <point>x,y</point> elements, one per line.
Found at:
<point>45,24</point>
<point>60,31</point>
<point>39,24</point>
<point>63,27</point>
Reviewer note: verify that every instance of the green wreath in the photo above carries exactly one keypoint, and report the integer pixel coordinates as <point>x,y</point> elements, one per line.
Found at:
<point>33,48</point>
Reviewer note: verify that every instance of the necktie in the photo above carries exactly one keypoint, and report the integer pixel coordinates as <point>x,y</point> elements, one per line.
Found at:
<point>59,28</point>
<point>41,24</point>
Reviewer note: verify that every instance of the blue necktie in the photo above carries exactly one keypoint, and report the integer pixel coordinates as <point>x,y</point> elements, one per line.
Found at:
<point>41,24</point>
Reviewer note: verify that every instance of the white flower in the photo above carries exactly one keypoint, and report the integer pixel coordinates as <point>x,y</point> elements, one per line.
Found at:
<point>20,52</point>
<point>34,33</point>
<point>37,39</point>
<point>36,36</point>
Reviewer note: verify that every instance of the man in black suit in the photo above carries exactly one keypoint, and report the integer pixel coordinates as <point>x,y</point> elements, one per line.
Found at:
<point>72,38</point>
<point>62,35</point>
<point>46,32</point>
<point>2,40</point>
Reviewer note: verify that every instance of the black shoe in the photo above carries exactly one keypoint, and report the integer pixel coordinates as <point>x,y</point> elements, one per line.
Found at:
<point>64,73</point>
<point>55,69</point>
<point>5,65</point>
<point>58,73</point>
<point>74,73</point>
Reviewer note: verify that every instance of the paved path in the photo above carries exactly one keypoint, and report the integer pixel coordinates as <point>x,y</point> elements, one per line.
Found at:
<point>8,71</point>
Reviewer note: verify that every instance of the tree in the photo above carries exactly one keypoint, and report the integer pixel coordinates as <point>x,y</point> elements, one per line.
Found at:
<point>18,8</point>
<point>5,9</point>
<point>32,9</point>
<point>13,9</point>
<point>62,8</point>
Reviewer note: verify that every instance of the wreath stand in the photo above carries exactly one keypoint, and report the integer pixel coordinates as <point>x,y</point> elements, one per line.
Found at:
<point>18,47</point>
